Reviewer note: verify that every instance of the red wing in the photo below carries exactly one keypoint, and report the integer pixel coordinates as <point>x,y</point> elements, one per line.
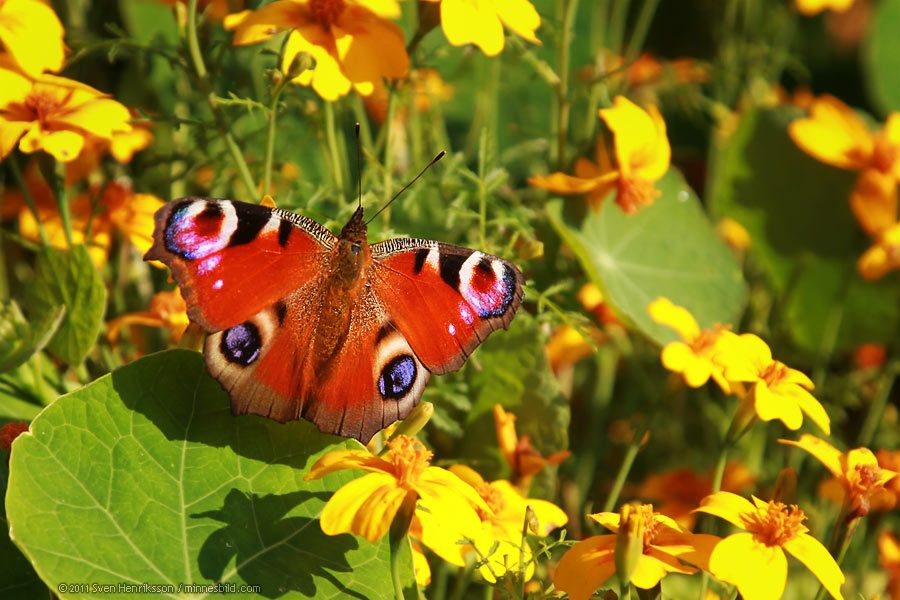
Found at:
<point>268,369</point>
<point>444,299</point>
<point>233,259</point>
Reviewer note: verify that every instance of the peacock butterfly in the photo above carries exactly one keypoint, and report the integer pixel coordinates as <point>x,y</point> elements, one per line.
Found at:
<point>303,323</point>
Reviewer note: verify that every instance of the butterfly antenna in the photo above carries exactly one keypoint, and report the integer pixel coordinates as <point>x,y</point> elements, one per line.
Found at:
<point>403,189</point>
<point>358,170</point>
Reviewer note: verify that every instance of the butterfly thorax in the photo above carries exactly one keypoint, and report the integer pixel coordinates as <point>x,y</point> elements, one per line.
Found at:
<point>341,288</point>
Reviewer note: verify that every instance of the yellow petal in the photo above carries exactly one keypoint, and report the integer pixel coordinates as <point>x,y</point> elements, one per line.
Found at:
<point>874,200</point>
<point>464,22</point>
<point>65,146</point>
<point>664,311</point>
<point>420,565</point>
<point>676,355</point>
<point>758,571</point>
<point>14,87</point>
<point>10,132</point>
<point>101,117</point>
<point>610,520</point>
<point>640,139</point>
<point>520,16</point>
<point>875,262</point>
<point>769,405</point>
<point>813,409</point>
<point>833,134</point>
<point>340,513</point>
<point>566,184</point>
<point>377,511</point>
<point>827,454</point>
<point>728,506</point>
<point>817,559</point>
<point>348,459</point>
<point>32,33</point>
<point>387,9</point>
<point>890,137</point>
<point>437,486</point>
<point>371,50</point>
<point>262,24</point>
<point>586,566</point>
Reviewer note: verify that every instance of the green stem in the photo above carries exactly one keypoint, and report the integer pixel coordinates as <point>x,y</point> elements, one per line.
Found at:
<point>598,90</point>
<point>570,7</point>
<point>270,137</point>
<point>641,27</point>
<point>624,469</point>
<point>399,541</point>
<point>718,474</point>
<point>221,124</point>
<point>57,176</point>
<point>879,403</point>
<point>616,29</point>
<point>388,175</point>
<point>482,188</point>
<point>13,162</point>
<point>333,153</point>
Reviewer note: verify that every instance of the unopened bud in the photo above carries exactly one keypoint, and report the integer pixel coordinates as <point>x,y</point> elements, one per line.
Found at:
<point>301,62</point>
<point>416,420</point>
<point>629,541</point>
<point>534,525</point>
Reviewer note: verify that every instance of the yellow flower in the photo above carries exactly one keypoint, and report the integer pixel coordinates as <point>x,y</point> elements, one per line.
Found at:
<point>857,470</point>
<point>590,562</point>
<point>642,155</point>
<point>366,506</point>
<point>352,42</point>
<point>883,256</point>
<point>481,22</point>
<point>32,35</point>
<point>814,7</point>
<point>754,560</point>
<point>54,114</point>
<point>566,347</point>
<point>167,311</point>
<point>524,460</point>
<point>889,559</point>
<point>776,390</point>
<point>503,524</point>
<point>734,234</point>
<point>694,357</point>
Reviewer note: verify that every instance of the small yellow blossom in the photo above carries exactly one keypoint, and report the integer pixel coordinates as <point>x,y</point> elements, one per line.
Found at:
<point>366,506</point>
<point>481,22</point>
<point>167,311</point>
<point>32,35</point>
<point>889,559</point>
<point>754,560</point>
<point>814,7</point>
<point>694,357</point>
<point>734,234</point>
<point>351,41</point>
<point>504,523</point>
<point>566,347</point>
<point>882,256</point>
<point>857,470</point>
<point>590,562</point>
<point>642,154</point>
<point>524,460</point>
<point>54,114</point>
<point>776,390</point>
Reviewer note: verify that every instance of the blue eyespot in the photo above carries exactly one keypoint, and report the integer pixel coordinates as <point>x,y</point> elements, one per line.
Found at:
<point>241,344</point>
<point>397,377</point>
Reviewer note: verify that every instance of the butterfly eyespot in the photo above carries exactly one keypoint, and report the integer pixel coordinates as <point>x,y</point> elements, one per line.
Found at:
<point>397,377</point>
<point>241,344</point>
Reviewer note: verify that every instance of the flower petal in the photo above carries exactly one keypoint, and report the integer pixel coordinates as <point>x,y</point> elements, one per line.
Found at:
<point>32,33</point>
<point>520,16</point>
<point>874,200</point>
<point>815,556</point>
<point>566,184</point>
<point>348,459</point>
<point>586,566</point>
<point>827,454</point>
<point>64,145</point>
<point>728,506</point>
<point>770,406</point>
<point>10,132</point>
<point>467,22</point>
<point>340,513</point>
<point>758,571</point>
<point>833,134</point>
<point>813,409</point>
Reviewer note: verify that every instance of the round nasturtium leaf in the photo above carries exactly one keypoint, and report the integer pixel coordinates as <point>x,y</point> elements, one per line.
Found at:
<point>145,477</point>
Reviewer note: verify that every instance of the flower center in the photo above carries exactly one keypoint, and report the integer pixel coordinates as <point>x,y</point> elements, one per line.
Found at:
<point>42,103</point>
<point>326,12</point>
<point>492,497</point>
<point>777,524</point>
<point>634,192</point>
<point>651,525</point>
<point>410,458</point>
<point>774,373</point>
<point>885,155</point>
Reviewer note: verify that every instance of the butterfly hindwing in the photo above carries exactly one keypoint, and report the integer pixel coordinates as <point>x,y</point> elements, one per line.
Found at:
<point>445,299</point>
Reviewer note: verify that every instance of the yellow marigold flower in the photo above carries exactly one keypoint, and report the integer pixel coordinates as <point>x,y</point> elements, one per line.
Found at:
<point>366,506</point>
<point>524,460</point>
<point>874,201</point>
<point>503,524</point>
<point>54,114</point>
<point>420,564</point>
<point>883,256</point>
<point>351,41</point>
<point>857,470</point>
<point>481,22</point>
<point>694,357</point>
<point>590,562</point>
<point>642,155</point>
<point>167,311</point>
<point>754,560</point>
<point>814,7</point>
<point>32,35</point>
<point>679,491</point>
<point>566,347</point>
<point>776,390</point>
<point>889,559</point>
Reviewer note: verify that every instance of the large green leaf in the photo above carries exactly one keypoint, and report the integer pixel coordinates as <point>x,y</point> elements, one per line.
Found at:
<point>68,278</point>
<point>144,476</point>
<point>667,249</point>
<point>19,339</point>
<point>797,212</point>
<point>881,56</point>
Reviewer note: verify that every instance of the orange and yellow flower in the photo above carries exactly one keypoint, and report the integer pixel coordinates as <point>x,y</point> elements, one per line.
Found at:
<point>351,41</point>
<point>32,35</point>
<point>481,22</point>
<point>889,559</point>
<point>814,7</point>
<point>167,311</point>
<point>754,560</point>
<point>590,562</point>
<point>857,471</point>
<point>776,390</point>
<point>642,154</point>
<point>54,114</point>
<point>521,457</point>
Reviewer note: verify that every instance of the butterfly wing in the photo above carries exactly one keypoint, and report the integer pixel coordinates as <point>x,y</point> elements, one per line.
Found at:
<point>234,259</point>
<point>444,299</point>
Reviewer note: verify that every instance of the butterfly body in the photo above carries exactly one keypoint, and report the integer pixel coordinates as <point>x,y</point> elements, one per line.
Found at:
<point>306,324</point>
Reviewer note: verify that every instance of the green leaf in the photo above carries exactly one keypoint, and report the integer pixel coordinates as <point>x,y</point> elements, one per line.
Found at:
<point>144,476</point>
<point>881,56</point>
<point>511,369</point>
<point>68,278</point>
<point>804,236</point>
<point>667,249</point>
<point>19,339</point>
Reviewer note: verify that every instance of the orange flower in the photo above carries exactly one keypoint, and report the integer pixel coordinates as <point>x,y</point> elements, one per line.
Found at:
<point>167,311</point>
<point>883,256</point>
<point>889,559</point>
<point>524,460</point>
<point>351,41</point>
<point>481,22</point>
<point>642,155</point>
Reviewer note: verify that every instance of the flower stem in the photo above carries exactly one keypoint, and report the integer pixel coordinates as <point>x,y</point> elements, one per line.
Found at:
<point>331,139</point>
<point>270,137</point>
<point>399,541</point>
<point>388,181</point>
<point>221,123</point>
<point>879,403</point>
<point>641,27</point>
<point>627,461</point>
<point>617,19</point>
<point>57,176</point>
<point>13,162</point>
<point>570,7</point>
